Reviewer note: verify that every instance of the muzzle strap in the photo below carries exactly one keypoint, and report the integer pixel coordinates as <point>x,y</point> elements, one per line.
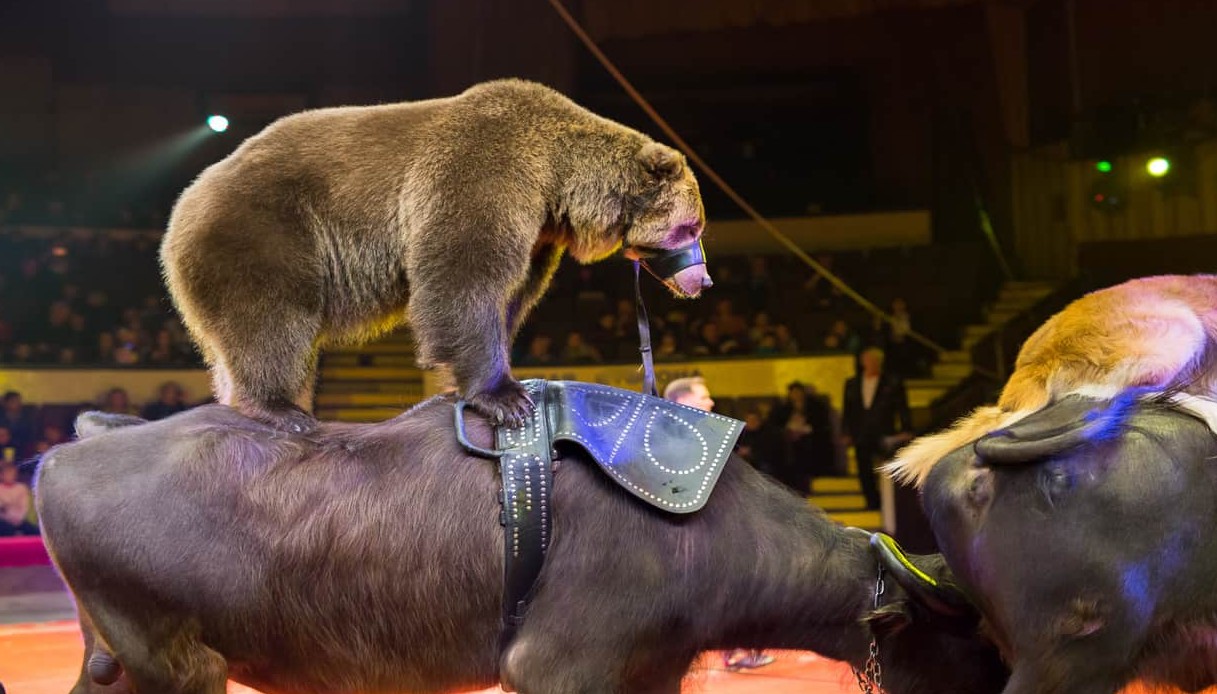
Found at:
<point>644,337</point>
<point>665,264</point>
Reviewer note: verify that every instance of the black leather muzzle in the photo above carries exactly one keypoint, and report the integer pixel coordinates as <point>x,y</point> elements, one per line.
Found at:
<point>665,263</point>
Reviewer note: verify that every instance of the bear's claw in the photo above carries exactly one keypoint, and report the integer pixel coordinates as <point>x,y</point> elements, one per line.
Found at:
<point>507,404</point>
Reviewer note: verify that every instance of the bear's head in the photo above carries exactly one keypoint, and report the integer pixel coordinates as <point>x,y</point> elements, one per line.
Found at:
<point>666,213</point>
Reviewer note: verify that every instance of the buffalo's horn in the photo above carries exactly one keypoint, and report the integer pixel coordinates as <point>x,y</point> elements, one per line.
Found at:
<point>1059,427</point>
<point>939,596</point>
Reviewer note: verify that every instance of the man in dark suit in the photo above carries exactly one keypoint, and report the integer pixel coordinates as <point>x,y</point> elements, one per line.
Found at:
<point>876,419</point>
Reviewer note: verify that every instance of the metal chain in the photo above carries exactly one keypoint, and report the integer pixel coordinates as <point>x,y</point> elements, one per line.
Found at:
<point>870,680</point>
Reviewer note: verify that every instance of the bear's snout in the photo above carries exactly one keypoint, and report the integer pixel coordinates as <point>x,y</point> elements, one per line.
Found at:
<point>691,281</point>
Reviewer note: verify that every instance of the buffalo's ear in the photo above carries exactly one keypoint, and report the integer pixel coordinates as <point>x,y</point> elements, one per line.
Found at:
<point>660,161</point>
<point>889,619</point>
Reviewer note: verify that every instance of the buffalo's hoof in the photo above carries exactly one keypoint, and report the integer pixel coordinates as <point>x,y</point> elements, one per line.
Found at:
<point>103,669</point>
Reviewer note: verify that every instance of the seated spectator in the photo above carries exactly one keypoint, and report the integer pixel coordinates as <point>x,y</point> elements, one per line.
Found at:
<point>766,346</point>
<point>759,444</point>
<point>8,449</point>
<point>608,338</point>
<point>786,343</point>
<point>761,326</point>
<point>730,324</point>
<point>52,435</point>
<point>822,293</point>
<point>843,338</point>
<point>104,354</point>
<point>902,353</point>
<point>165,350</point>
<point>23,353</point>
<point>14,503</point>
<point>171,401</point>
<point>626,317</point>
<point>758,284</point>
<point>579,352</point>
<point>117,401</point>
<point>668,349</point>
<point>713,343</point>
<point>126,351</point>
<point>19,421</point>
<point>540,352</point>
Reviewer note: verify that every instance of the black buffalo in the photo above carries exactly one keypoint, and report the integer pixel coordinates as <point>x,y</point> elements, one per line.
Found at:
<point>1086,534</point>
<point>368,558</point>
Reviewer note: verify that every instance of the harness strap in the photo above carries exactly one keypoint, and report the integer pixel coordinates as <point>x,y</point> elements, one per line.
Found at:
<point>526,472</point>
<point>644,338</point>
<point>527,480</point>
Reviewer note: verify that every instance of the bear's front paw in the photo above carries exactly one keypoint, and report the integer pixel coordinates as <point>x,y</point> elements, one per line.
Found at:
<point>507,404</point>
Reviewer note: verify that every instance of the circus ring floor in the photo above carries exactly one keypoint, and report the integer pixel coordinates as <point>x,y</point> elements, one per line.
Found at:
<point>41,648</point>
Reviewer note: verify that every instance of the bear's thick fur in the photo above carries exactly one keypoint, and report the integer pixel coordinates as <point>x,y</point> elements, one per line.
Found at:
<point>1158,333</point>
<point>330,225</point>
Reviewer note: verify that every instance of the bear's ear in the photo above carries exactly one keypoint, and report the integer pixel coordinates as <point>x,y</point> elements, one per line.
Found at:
<point>660,161</point>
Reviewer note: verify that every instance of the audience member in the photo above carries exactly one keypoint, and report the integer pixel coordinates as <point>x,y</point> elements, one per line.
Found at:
<point>18,420</point>
<point>842,338</point>
<point>116,401</point>
<point>577,351</point>
<point>171,401</point>
<point>52,435</point>
<point>876,420</point>
<point>540,351</point>
<point>14,503</point>
<point>668,349</point>
<point>805,423</point>
<point>8,449</point>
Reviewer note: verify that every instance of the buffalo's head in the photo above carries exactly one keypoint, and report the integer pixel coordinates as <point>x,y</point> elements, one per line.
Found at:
<point>1088,520</point>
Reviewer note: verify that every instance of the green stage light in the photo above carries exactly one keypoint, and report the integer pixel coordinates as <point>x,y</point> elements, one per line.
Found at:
<point>1103,166</point>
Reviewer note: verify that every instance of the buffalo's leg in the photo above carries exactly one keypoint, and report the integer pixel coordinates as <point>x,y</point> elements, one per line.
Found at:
<point>1096,663</point>
<point>162,658</point>
<point>1029,679</point>
<point>601,666</point>
<point>99,667</point>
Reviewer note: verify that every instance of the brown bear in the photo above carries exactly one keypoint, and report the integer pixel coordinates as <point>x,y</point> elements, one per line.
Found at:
<point>332,225</point>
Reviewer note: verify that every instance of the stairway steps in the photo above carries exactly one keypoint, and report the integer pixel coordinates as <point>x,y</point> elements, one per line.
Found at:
<point>836,485</point>
<point>955,357</point>
<point>1024,292</point>
<point>840,502</point>
<point>924,398</point>
<point>867,520</point>
<point>996,319</point>
<point>931,383</point>
<point>956,371</point>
